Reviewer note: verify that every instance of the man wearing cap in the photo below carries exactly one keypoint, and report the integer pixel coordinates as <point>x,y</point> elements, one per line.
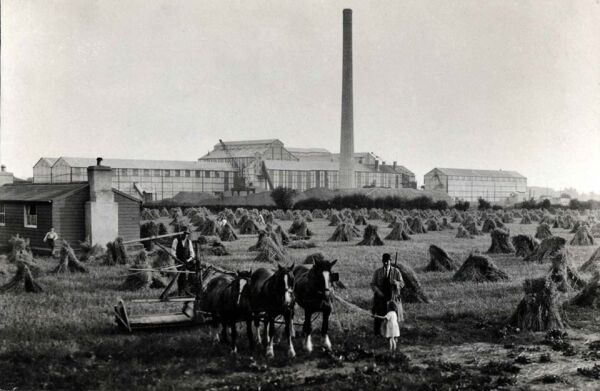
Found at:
<point>184,251</point>
<point>386,284</point>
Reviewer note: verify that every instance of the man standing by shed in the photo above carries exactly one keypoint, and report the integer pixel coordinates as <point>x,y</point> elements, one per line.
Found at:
<point>386,284</point>
<point>183,249</point>
<point>50,239</point>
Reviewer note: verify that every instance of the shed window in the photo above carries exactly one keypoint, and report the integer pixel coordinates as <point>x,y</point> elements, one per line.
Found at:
<point>135,172</point>
<point>207,174</point>
<point>177,172</point>
<point>187,173</point>
<point>157,173</point>
<point>198,173</point>
<point>146,172</point>
<point>30,216</point>
<point>167,172</point>
<point>2,214</point>
<point>216,174</point>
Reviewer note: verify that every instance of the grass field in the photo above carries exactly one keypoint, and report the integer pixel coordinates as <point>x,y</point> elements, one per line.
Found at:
<point>66,338</point>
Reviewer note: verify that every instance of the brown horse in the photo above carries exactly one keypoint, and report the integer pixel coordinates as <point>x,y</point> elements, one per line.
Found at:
<point>234,306</point>
<point>214,282</point>
<point>271,295</point>
<point>313,293</point>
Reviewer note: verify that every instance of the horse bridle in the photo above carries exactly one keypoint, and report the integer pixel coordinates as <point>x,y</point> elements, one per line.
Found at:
<point>324,291</point>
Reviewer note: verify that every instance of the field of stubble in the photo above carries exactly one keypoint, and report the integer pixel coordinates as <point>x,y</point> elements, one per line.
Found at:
<point>66,338</point>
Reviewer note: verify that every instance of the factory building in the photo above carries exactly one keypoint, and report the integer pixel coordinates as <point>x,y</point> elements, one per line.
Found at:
<point>264,164</point>
<point>144,179</point>
<point>246,157</point>
<point>267,164</point>
<point>497,187</point>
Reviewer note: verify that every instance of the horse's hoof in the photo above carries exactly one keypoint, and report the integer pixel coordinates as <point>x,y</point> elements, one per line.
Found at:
<point>292,353</point>
<point>327,343</point>
<point>270,354</point>
<point>308,346</point>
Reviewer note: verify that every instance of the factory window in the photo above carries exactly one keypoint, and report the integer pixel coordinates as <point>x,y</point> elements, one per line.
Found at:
<point>2,214</point>
<point>187,173</point>
<point>167,172</point>
<point>146,172</point>
<point>136,172</point>
<point>177,172</point>
<point>156,172</point>
<point>207,174</point>
<point>216,174</point>
<point>123,172</point>
<point>198,173</point>
<point>30,219</point>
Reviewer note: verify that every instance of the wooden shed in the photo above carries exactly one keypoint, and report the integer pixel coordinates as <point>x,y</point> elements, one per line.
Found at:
<point>30,210</point>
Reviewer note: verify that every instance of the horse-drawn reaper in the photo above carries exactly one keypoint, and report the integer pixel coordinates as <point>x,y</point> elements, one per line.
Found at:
<point>225,298</point>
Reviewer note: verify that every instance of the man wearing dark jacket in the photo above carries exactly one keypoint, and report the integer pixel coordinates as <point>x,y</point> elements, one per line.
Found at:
<point>386,284</point>
<point>184,251</point>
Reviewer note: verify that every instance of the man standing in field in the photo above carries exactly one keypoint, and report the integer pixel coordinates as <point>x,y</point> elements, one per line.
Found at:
<point>386,284</point>
<point>184,251</point>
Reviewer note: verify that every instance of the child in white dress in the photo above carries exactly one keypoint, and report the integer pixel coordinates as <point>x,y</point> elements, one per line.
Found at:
<point>391,328</point>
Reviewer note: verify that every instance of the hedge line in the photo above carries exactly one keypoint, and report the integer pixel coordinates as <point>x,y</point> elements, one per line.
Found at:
<point>356,201</point>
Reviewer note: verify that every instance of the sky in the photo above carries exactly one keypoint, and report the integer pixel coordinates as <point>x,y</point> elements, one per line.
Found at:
<point>511,85</point>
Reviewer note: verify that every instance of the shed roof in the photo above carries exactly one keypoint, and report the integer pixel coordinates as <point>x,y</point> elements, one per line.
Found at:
<point>44,192</point>
<point>477,173</point>
<point>150,164</point>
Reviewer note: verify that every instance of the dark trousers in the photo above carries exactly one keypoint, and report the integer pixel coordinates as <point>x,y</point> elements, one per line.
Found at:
<point>185,281</point>
<point>50,243</point>
<point>379,308</point>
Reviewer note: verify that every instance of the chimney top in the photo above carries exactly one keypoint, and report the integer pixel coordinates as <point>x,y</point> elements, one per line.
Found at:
<point>98,161</point>
<point>3,168</point>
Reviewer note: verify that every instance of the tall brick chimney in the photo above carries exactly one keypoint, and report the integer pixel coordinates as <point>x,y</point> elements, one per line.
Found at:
<point>101,211</point>
<point>346,173</point>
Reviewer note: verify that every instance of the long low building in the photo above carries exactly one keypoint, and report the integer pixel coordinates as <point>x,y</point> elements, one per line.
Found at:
<point>304,175</point>
<point>496,186</point>
<point>145,179</point>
